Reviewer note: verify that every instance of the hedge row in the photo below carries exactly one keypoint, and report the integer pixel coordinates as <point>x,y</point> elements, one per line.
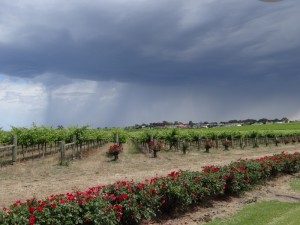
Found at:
<point>129,202</point>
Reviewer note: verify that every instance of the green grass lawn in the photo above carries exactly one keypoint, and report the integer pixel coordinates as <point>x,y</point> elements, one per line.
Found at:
<point>265,213</point>
<point>295,184</point>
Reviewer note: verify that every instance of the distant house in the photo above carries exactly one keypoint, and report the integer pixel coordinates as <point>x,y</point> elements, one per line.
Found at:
<point>182,126</point>
<point>233,125</point>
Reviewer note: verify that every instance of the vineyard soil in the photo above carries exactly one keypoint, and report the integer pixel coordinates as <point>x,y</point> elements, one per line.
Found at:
<point>40,178</point>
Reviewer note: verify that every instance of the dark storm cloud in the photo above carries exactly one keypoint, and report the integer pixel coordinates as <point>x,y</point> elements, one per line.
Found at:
<point>117,62</point>
<point>159,42</point>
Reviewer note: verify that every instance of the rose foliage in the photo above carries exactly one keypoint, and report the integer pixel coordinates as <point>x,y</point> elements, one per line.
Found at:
<point>114,150</point>
<point>129,202</point>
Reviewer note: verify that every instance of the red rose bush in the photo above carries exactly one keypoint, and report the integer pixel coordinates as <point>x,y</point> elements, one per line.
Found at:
<point>114,151</point>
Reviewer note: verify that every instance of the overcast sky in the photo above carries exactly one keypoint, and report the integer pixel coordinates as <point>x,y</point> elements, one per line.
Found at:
<point>122,62</point>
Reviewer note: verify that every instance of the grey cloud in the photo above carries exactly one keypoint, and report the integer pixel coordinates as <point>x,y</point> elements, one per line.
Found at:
<point>169,42</point>
<point>166,59</point>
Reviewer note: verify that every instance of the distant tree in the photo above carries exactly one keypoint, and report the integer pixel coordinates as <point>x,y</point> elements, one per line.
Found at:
<point>250,121</point>
<point>60,127</point>
<point>263,120</point>
<point>165,122</point>
<point>137,126</point>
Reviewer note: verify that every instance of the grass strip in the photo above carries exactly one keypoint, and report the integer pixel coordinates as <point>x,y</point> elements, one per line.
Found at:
<point>265,213</point>
<point>295,184</point>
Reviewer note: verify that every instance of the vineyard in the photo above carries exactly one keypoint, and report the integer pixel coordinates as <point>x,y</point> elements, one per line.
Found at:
<point>219,138</point>
<point>176,150</point>
<point>21,144</point>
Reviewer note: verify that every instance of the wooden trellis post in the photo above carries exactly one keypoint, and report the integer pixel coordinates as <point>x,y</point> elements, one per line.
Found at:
<point>14,149</point>
<point>117,138</point>
<point>62,152</point>
<point>74,147</point>
<point>152,140</point>
<point>199,143</point>
<point>241,142</point>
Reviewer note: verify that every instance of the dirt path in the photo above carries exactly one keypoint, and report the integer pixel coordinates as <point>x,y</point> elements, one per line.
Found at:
<point>43,177</point>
